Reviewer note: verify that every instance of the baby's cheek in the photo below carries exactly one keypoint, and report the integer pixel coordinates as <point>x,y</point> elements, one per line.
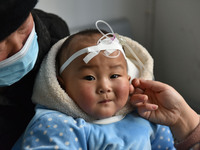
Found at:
<point>87,95</point>
<point>123,90</point>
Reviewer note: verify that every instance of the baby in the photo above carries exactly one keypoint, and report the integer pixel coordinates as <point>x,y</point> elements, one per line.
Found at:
<point>82,92</point>
<point>100,86</point>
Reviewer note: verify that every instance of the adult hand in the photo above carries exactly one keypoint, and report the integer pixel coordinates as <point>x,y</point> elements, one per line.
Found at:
<point>162,104</point>
<point>156,101</point>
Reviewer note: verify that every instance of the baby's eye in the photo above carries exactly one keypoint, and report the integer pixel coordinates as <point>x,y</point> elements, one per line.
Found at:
<point>114,76</point>
<point>89,78</point>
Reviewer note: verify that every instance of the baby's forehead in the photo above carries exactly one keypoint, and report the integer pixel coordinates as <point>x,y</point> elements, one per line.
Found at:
<point>118,62</point>
<point>88,46</point>
<point>82,41</point>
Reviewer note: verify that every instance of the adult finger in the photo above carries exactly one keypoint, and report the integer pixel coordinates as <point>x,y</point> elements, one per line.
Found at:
<point>149,84</point>
<point>138,98</point>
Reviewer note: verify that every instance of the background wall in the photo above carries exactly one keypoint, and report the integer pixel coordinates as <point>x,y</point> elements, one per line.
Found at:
<point>79,13</point>
<point>176,46</point>
<point>170,31</point>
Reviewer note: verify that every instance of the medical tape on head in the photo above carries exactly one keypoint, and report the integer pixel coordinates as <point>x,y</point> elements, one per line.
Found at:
<point>105,45</point>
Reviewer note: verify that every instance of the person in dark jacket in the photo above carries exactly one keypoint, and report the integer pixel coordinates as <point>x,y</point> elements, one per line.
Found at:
<point>26,35</point>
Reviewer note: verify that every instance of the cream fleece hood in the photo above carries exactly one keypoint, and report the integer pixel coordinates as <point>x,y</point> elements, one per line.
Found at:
<point>48,92</point>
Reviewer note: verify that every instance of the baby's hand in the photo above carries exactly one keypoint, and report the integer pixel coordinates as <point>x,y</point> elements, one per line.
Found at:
<point>156,101</point>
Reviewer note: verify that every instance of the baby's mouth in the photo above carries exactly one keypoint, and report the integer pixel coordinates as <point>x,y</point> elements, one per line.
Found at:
<point>105,101</point>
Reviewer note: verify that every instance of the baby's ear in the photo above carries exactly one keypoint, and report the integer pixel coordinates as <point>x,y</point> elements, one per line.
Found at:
<point>131,88</point>
<point>129,78</point>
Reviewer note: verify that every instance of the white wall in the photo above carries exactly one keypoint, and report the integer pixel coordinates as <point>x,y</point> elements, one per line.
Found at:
<point>176,46</point>
<point>83,12</point>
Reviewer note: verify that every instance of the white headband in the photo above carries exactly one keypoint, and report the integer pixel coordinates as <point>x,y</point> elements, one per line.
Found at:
<point>108,46</point>
<point>105,43</point>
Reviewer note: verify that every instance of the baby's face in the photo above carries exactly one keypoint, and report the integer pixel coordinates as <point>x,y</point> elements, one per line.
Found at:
<point>100,87</point>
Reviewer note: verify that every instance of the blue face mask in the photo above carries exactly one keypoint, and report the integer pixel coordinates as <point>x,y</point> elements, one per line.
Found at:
<point>17,66</point>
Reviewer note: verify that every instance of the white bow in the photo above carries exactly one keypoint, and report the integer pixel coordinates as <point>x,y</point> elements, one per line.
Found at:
<point>108,48</point>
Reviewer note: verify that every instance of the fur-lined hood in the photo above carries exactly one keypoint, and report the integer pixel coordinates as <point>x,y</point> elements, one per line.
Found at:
<point>48,92</point>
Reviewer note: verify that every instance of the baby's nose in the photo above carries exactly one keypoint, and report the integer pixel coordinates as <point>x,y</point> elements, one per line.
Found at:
<point>103,91</point>
<point>104,87</point>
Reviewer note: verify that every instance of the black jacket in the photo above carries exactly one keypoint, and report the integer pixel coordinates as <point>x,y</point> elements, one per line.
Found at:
<point>16,108</point>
